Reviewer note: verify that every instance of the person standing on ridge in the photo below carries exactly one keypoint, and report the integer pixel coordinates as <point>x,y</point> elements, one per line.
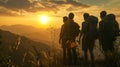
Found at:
<point>63,39</point>
<point>72,29</point>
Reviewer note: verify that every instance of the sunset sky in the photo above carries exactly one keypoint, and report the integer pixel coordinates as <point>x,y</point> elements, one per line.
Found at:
<point>28,12</point>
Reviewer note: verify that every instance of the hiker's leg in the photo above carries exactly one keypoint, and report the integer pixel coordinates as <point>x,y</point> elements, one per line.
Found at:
<point>91,47</point>
<point>64,50</point>
<point>112,60</point>
<point>69,56</point>
<point>85,48</point>
<point>64,55</point>
<point>85,59</point>
<point>92,58</point>
<point>85,56</point>
<point>74,55</point>
<point>106,54</point>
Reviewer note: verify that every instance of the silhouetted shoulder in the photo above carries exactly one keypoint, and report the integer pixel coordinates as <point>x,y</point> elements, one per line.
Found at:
<point>76,24</point>
<point>92,19</point>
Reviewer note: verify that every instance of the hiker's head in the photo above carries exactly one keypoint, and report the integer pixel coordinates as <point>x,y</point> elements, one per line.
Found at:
<point>85,15</point>
<point>110,17</point>
<point>92,19</point>
<point>103,14</point>
<point>71,15</point>
<point>65,18</point>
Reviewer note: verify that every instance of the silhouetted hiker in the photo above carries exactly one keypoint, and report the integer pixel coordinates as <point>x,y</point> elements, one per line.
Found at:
<point>63,39</point>
<point>84,24</point>
<point>83,32</point>
<point>72,32</point>
<point>102,16</point>
<point>90,37</point>
<point>84,28</point>
<point>109,32</point>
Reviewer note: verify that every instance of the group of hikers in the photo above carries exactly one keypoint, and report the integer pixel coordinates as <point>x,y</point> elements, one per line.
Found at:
<point>106,31</point>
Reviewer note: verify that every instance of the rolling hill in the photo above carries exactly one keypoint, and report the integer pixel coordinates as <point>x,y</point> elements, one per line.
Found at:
<point>20,50</point>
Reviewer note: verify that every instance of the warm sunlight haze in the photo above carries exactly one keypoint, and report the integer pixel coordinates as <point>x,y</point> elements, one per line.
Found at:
<point>43,19</point>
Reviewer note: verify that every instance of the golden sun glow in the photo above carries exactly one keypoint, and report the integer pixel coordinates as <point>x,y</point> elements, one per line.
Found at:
<point>43,19</point>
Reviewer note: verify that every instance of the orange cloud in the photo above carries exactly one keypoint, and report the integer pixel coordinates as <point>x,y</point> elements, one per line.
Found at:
<point>35,6</point>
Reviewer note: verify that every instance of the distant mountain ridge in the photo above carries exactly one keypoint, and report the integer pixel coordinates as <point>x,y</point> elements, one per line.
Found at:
<point>37,34</point>
<point>20,28</point>
<point>31,32</point>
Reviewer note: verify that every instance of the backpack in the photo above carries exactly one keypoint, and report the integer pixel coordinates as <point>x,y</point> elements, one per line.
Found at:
<point>110,27</point>
<point>110,30</point>
<point>71,29</point>
<point>75,29</point>
<point>92,31</point>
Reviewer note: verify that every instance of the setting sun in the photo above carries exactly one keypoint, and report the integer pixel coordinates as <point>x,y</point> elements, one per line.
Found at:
<point>43,19</point>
